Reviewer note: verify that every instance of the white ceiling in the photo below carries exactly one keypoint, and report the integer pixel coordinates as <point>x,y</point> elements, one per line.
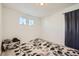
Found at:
<point>34,9</point>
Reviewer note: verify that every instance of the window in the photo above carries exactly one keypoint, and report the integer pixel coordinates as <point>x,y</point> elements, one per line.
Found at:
<point>24,21</point>
<point>31,22</point>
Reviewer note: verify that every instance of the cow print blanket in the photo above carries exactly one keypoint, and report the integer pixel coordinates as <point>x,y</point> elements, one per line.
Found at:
<point>40,47</point>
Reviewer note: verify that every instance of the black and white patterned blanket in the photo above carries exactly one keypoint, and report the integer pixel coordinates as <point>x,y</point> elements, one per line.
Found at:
<point>40,47</point>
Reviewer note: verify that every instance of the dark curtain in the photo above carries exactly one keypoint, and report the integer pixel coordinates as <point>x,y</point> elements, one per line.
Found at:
<point>72,29</point>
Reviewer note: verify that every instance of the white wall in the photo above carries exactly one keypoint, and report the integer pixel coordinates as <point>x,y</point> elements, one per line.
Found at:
<point>0,26</point>
<point>12,28</point>
<point>53,27</point>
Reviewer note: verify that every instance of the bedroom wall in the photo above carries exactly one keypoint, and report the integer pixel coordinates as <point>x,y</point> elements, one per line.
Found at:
<point>0,26</point>
<point>53,27</point>
<point>12,28</point>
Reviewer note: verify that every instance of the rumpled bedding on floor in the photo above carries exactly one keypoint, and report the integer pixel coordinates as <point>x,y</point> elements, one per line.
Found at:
<point>40,47</point>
